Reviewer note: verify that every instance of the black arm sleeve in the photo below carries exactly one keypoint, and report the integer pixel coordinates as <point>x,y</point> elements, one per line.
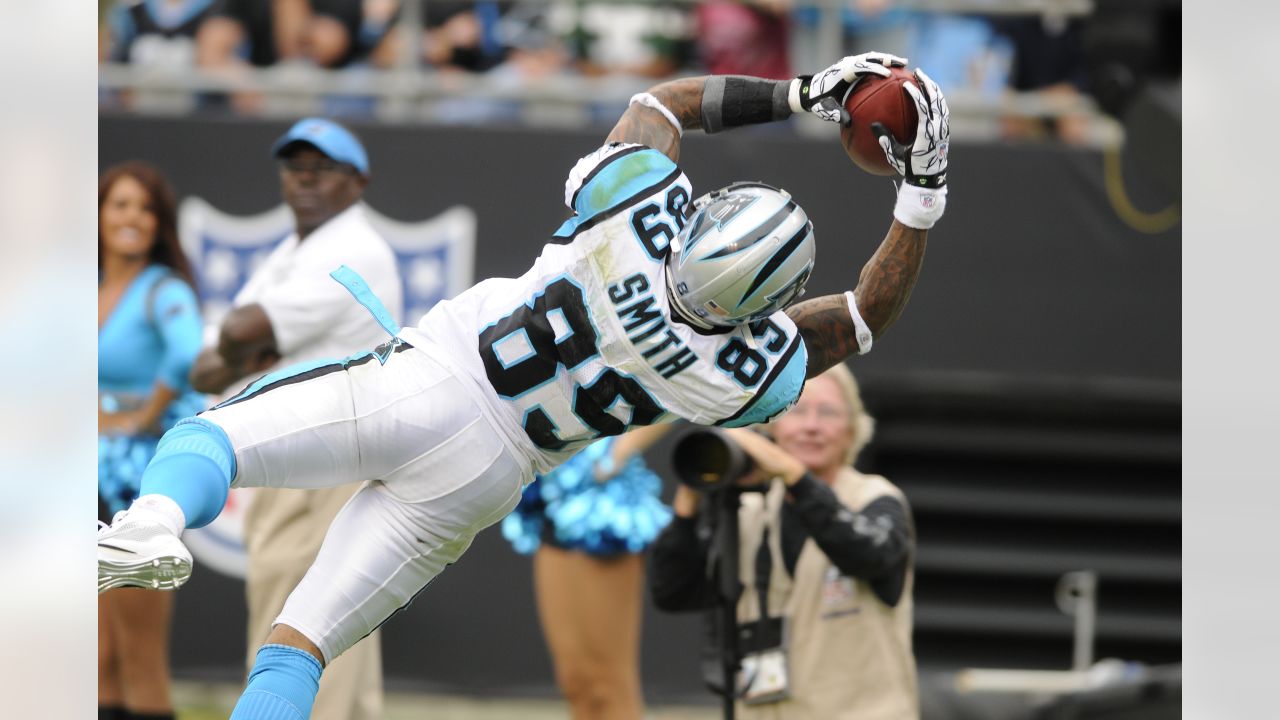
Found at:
<point>872,545</point>
<point>730,101</point>
<point>678,569</point>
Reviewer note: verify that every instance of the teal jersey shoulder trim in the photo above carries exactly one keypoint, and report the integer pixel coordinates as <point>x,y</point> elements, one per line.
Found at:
<point>780,395</point>
<point>618,179</point>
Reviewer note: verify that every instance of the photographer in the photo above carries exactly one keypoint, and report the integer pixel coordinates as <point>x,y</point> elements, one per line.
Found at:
<point>837,554</point>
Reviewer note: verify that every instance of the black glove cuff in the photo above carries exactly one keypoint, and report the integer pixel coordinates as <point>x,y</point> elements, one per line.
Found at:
<point>930,182</point>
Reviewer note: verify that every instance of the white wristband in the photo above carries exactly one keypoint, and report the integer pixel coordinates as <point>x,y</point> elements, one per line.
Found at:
<point>648,100</point>
<point>919,207</point>
<point>793,96</point>
<point>861,331</point>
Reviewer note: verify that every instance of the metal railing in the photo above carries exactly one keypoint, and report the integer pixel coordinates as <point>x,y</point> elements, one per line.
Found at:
<point>409,92</point>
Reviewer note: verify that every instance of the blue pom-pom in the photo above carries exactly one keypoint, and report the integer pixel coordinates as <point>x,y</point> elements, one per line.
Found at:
<point>121,460</point>
<point>622,514</point>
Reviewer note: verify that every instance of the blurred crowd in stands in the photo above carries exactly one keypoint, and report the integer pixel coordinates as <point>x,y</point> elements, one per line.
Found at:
<point>517,42</point>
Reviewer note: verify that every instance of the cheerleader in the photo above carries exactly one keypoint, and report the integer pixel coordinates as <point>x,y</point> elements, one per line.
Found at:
<point>587,524</point>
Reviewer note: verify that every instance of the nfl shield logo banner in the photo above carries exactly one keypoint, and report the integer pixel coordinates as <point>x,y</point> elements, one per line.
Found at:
<point>436,259</point>
<point>225,249</point>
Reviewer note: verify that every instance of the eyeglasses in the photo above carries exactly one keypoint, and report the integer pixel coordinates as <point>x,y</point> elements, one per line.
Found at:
<point>324,165</point>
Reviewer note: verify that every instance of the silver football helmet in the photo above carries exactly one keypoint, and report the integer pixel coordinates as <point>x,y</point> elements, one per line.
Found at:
<point>745,252</point>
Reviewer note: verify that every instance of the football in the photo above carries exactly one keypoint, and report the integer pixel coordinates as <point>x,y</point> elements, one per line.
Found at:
<point>877,99</point>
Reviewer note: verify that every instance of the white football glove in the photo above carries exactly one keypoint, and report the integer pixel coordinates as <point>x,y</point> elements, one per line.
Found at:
<point>824,94</point>
<point>923,163</point>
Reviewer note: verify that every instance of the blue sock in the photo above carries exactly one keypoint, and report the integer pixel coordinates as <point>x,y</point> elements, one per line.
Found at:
<point>194,465</point>
<point>282,686</point>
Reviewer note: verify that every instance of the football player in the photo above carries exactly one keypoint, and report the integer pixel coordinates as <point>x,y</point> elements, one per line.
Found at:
<point>648,305</point>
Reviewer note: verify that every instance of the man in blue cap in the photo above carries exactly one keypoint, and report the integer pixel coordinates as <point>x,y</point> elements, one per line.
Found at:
<point>291,311</point>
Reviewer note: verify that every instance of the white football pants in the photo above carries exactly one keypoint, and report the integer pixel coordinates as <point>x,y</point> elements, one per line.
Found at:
<point>435,466</point>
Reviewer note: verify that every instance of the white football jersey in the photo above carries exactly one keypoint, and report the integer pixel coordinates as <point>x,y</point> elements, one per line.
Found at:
<point>584,344</point>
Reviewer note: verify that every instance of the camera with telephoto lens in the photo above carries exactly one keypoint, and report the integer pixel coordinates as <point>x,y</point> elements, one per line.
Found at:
<point>706,459</point>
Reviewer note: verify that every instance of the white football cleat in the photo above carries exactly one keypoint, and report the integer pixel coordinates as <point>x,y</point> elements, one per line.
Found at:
<point>140,553</point>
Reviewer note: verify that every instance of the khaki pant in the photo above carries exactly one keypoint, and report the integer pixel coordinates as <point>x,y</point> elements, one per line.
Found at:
<point>283,532</point>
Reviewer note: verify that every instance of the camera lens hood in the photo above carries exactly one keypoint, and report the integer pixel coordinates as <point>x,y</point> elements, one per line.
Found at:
<point>705,458</point>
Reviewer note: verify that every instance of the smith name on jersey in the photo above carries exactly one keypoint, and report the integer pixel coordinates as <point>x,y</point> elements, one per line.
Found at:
<point>584,344</point>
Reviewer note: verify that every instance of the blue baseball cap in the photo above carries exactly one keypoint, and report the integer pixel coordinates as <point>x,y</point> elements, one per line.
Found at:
<point>329,138</point>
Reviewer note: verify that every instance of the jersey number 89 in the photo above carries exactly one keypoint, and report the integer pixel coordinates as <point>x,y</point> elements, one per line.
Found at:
<point>549,348</point>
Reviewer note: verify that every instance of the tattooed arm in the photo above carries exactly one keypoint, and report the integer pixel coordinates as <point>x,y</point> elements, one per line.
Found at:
<point>885,283</point>
<point>888,278</point>
<point>648,126</point>
<point>883,290</point>
<point>718,102</point>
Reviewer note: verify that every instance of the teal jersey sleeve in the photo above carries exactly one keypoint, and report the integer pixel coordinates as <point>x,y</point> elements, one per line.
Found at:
<point>619,179</point>
<point>778,393</point>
